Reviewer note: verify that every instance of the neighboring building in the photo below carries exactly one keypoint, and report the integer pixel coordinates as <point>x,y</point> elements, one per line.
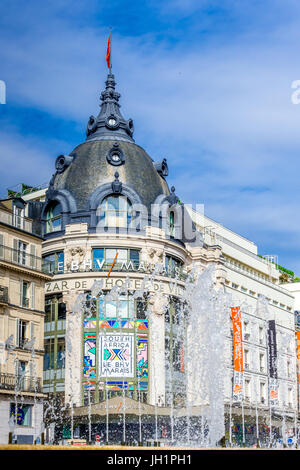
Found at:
<point>22,285</point>
<point>249,277</point>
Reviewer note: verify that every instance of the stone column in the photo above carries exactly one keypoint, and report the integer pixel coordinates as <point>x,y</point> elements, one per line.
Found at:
<point>157,374</point>
<point>74,360</point>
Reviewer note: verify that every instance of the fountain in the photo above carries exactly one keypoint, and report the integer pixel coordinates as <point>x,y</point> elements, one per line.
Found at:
<point>192,411</point>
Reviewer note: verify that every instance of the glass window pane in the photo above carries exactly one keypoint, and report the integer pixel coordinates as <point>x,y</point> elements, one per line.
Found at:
<point>135,256</point>
<point>111,309</point>
<point>56,210</point>
<point>122,255</point>
<point>110,254</point>
<point>123,308</point>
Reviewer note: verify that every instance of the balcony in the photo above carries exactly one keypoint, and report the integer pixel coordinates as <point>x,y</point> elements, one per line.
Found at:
<point>20,258</point>
<point>20,383</point>
<point>3,295</point>
<point>23,223</point>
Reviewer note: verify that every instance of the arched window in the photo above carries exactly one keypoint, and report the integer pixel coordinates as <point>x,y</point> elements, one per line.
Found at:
<point>53,218</point>
<point>115,211</point>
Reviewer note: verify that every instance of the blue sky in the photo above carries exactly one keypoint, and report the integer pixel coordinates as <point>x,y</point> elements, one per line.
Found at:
<point>207,84</point>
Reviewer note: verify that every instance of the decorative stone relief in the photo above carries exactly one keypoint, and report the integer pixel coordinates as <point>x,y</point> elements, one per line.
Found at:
<point>155,256</point>
<point>75,255</point>
<point>158,303</point>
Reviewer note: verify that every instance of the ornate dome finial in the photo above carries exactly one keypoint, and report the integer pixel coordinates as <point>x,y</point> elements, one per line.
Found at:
<point>110,124</point>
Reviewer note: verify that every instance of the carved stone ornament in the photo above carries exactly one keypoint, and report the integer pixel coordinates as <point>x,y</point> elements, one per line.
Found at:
<point>173,199</point>
<point>158,303</point>
<point>155,256</point>
<point>116,185</point>
<point>91,125</point>
<point>75,255</point>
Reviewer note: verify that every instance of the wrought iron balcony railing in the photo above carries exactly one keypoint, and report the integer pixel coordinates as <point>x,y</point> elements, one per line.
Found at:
<point>18,221</point>
<point>20,383</point>
<point>21,258</point>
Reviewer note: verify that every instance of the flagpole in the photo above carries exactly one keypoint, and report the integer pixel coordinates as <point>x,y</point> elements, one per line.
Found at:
<point>110,30</point>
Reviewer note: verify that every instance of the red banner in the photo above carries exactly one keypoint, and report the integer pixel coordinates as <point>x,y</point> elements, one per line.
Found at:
<point>237,354</point>
<point>108,53</point>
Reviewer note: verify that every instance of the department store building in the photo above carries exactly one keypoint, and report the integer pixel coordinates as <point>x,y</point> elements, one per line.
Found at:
<point>120,245</point>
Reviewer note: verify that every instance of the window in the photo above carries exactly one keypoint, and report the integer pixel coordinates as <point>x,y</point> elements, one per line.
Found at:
<point>173,266</point>
<point>246,330</point>
<point>262,362</point>
<point>106,256</point>
<point>53,218</point>
<point>290,397</point>
<point>54,263</point>
<point>60,359</point>
<point>22,338</point>
<point>18,217</point>
<point>172,223</point>
<point>22,415</point>
<point>178,356</point>
<point>247,389</point>
<point>261,335</point>
<point>123,307</point>
<point>246,359</point>
<point>25,294</point>
<point>49,354</point>
<point>115,211</point>
<point>22,252</point>
<point>262,387</point>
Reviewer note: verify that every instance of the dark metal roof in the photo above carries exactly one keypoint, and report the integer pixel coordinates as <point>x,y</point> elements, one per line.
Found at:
<point>91,168</point>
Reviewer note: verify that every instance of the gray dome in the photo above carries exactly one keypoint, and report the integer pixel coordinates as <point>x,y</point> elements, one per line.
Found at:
<point>91,168</point>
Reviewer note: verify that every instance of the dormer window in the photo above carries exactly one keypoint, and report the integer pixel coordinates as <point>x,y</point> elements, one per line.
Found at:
<point>53,218</point>
<point>115,211</point>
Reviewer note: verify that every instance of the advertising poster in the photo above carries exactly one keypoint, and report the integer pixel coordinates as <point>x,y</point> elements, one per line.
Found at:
<point>237,354</point>
<point>272,363</point>
<point>116,355</point>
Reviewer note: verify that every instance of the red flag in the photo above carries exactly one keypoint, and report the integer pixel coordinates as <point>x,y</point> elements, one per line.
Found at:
<point>108,53</point>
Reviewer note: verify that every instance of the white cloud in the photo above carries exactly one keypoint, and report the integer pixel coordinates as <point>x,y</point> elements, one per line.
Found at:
<point>220,112</point>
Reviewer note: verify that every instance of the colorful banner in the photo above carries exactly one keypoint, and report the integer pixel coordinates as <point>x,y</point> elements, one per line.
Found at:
<point>298,364</point>
<point>237,354</point>
<point>272,363</point>
<point>116,355</point>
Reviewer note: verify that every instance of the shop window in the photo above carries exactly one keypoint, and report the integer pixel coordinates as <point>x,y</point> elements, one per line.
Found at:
<point>22,415</point>
<point>54,263</point>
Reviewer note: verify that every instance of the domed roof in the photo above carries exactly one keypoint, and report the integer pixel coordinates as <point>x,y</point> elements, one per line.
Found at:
<point>108,162</point>
<point>95,163</point>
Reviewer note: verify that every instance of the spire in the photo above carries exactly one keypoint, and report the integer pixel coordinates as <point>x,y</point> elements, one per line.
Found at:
<point>109,124</point>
